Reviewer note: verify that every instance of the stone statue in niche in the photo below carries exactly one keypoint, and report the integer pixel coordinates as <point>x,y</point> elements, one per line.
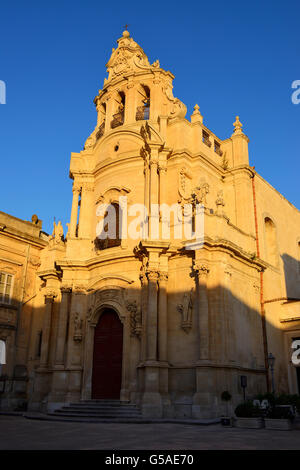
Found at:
<point>77,328</point>
<point>220,202</point>
<point>135,318</point>
<point>186,311</point>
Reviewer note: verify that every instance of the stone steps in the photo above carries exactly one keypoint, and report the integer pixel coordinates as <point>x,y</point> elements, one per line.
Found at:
<point>99,409</point>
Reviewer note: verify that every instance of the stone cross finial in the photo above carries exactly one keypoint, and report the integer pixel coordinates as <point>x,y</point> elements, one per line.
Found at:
<point>237,126</point>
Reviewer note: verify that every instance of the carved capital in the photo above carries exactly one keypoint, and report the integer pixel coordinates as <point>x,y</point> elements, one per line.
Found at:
<point>50,295</point>
<point>163,277</point>
<point>66,290</point>
<point>201,269</point>
<point>76,188</point>
<point>79,290</point>
<point>88,186</point>
<point>162,168</point>
<point>153,161</point>
<point>152,275</point>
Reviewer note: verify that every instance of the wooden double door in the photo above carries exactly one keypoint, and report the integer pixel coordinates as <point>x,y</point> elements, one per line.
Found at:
<point>107,359</point>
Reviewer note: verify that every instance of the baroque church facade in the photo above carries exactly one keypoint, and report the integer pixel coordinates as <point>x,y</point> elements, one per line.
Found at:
<point>146,320</point>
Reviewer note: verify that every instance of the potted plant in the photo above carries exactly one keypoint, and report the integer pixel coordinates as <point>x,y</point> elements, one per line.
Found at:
<point>248,416</point>
<point>226,420</point>
<point>280,417</point>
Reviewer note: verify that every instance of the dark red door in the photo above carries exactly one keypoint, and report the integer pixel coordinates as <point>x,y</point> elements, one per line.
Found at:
<point>107,362</point>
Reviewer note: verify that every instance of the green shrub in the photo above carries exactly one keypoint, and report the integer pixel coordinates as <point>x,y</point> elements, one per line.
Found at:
<point>285,399</point>
<point>266,396</point>
<point>278,412</point>
<point>247,410</point>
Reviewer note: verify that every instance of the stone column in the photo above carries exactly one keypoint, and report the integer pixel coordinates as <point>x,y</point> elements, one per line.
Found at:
<point>201,271</point>
<point>154,190</point>
<point>145,156</point>
<point>202,406</point>
<point>152,316</point>
<point>62,326</point>
<point>110,105</point>
<point>74,211</point>
<point>162,168</point>
<point>155,99</point>
<point>144,303</point>
<point>130,103</point>
<point>86,210</point>
<point>162,317</point>
<point>49,299</point>
<point>163,346</point>
<point>151,401</point>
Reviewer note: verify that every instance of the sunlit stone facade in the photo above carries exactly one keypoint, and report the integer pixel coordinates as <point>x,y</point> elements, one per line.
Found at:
<point>192,322</point>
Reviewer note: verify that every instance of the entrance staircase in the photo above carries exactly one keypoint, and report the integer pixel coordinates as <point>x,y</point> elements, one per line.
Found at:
<point>98,411</point>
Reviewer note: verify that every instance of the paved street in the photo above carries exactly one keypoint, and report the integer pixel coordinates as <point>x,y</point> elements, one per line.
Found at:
<point>20,433</point>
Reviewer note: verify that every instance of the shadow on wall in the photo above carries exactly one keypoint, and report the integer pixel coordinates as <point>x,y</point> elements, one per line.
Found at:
<point>291,268</point>
<point>52,356</point>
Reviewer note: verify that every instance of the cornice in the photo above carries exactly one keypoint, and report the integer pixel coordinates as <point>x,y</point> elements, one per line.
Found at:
<point>236,252</point>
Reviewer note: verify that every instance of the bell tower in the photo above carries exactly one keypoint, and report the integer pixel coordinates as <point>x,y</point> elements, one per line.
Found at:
<point>134,94</point>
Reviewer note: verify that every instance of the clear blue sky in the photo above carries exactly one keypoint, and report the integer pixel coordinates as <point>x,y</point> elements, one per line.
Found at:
<point>230,57</point>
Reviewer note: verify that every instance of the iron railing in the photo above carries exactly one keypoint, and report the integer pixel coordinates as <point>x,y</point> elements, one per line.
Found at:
<point>142,113</point>
<point>100,131</point>
<point>118,120</point>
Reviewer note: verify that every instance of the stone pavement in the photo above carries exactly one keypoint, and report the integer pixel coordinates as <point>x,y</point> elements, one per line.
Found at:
<point>17,433</point>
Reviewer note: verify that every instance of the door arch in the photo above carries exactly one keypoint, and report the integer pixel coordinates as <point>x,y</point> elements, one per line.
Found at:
<point>107,357</point>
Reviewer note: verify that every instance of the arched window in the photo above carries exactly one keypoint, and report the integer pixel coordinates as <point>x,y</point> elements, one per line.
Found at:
<point>118,117</point>
<point>271,242</point>
<point>143,108</point>
<point>109,242</point>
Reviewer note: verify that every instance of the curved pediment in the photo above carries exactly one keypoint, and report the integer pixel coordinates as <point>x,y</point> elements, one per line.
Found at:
<point>111,279</point>
<point>129,57</point>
